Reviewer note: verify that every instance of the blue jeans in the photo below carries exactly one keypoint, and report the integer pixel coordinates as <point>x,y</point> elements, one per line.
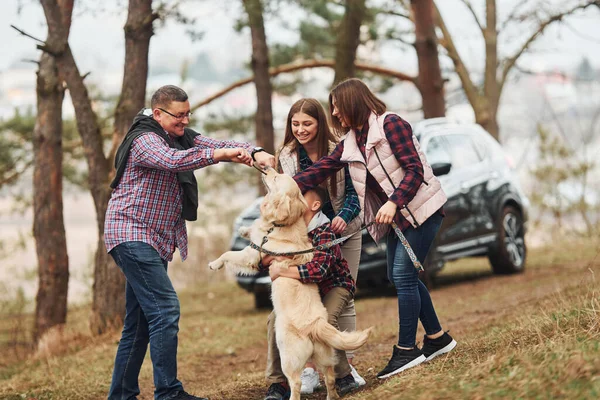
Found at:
<point>414,301</point>
<point>151,315</point>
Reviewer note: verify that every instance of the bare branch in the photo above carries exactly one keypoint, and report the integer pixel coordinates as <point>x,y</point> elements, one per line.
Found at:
<point>27,34</point>
<point>398,36</point>
<point>394,13</point>
<point>459,66</point>
<point>472,10</point>
<point>16,174</point>
<point>581,35</point>
<point>297,66</point>
<point>513,16</point>
<point>27,60</point>
<point>510,62</point>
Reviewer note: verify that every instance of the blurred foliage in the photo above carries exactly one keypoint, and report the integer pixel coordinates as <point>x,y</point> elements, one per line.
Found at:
<point>15,146</point>
<point>561,178</point>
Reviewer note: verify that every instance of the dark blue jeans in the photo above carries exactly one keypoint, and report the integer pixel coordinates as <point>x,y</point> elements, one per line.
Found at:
<point>151,315</point>
<point>414,301</point>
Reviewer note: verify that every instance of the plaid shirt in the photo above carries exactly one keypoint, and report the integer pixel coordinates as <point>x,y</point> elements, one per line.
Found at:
<point>399,135</point>
<point>328,269</point>
<point>351,207</point>
<point>146,205</point>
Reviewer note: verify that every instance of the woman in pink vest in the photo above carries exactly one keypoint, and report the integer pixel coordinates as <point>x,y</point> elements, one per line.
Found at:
<point>394,183</point>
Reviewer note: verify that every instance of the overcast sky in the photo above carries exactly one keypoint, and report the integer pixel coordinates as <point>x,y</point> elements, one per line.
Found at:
<point>97,37</point>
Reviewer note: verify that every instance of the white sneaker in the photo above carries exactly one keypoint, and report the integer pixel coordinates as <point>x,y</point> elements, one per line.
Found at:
<point>357,378</point>
<point>310,381</point>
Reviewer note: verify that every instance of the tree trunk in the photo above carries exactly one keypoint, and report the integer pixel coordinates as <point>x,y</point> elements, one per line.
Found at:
<point>348,39</point>
<point>89,130</point>
<point>48,222</point>
<point>260,67</point>
<point>491,86</point>
<point>430,82</point>
<point>108,302</point>
<point>138,31</point>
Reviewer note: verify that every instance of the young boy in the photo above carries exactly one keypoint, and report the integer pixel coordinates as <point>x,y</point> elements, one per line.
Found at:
<point>330,272</point>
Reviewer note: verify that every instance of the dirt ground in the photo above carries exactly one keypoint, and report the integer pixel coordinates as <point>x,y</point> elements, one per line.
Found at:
<point>467,302</point>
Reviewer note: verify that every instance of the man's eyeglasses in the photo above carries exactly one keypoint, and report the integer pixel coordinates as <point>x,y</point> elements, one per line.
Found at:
<point>177,117</point>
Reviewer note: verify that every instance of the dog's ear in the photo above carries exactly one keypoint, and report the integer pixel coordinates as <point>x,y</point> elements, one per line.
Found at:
<point>282,208</point>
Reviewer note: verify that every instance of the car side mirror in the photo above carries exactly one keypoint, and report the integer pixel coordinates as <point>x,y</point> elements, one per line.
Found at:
<point>442,168</point>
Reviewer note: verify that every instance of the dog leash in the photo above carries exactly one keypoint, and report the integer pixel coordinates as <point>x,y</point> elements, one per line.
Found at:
<point>328,245</point>
<point>399,234</point>
<point>324,246</point>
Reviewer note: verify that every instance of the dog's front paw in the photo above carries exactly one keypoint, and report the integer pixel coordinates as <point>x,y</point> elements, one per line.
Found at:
<point>215,265</point>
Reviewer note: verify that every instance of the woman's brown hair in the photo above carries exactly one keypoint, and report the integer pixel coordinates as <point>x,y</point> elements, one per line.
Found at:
<point>313,108</point>
<point>355,103</point>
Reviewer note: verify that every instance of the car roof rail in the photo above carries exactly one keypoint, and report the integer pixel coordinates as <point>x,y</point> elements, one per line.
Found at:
<point>432,122</point>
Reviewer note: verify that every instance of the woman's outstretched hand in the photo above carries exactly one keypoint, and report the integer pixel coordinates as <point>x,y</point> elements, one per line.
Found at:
<point>264,159</point>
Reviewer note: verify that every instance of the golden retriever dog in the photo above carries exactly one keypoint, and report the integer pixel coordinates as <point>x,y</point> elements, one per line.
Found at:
<point>301,326</point>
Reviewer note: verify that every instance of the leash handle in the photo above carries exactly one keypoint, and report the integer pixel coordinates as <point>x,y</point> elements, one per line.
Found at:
<point>409,250</point>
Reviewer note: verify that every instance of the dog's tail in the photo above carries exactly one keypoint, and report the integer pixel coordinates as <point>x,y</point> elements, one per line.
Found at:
<point>324,332</point>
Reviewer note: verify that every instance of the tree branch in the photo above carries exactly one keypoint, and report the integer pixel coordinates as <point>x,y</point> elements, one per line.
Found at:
<point>27,34</point>
<point>394,13</point>
<point>11,178</point>
<point>287,68</point>
<point>472,10</point>
<point>510,62</point>
<point>513,16</point>
<point>470,89</point>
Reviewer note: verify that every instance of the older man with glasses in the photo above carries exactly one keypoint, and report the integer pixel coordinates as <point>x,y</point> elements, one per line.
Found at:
<point>155,191</point>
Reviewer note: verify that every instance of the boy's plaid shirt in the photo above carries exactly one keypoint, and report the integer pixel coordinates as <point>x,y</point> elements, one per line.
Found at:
<point>146,205</point>
<point>328,269</point>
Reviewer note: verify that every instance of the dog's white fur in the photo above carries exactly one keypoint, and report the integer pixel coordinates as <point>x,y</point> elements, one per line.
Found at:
<point>301,326</point>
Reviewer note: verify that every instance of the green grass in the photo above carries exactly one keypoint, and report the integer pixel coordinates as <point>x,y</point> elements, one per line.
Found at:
<point>529,336</point>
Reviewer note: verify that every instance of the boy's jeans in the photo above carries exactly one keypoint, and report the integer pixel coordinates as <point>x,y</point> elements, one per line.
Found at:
<point>335,302</point>
<point>152,315</point>
<point>414,301</point>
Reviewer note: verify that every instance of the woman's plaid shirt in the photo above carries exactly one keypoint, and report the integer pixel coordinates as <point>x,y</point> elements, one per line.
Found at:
<point>146,205</point>
<point>400,137</point>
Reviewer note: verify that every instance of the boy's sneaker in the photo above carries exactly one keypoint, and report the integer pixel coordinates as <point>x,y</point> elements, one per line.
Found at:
<point>278,391</point>
<point>359,379</point>
<point>310,381</point>
<point>345,385</point>
<point>400,361</point>
<point>436,347</point>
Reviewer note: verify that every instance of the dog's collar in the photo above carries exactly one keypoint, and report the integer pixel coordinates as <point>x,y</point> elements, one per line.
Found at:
<point>276,225</point>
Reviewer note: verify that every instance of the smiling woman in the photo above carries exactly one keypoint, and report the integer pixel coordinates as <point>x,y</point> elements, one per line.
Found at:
<point>307,139</point>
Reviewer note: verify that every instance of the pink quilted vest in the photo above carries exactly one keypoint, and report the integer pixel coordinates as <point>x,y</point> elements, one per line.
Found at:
<point>386,169</point>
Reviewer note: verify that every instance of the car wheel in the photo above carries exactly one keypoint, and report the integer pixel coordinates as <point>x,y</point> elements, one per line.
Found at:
<point>262,300</point>
<point>509,254</point>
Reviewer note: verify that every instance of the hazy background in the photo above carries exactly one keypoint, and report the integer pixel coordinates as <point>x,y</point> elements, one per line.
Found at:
<point>221,57</point>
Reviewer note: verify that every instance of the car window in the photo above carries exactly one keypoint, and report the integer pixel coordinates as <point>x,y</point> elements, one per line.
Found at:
<point>462,151</point>
<point>436,151</point>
